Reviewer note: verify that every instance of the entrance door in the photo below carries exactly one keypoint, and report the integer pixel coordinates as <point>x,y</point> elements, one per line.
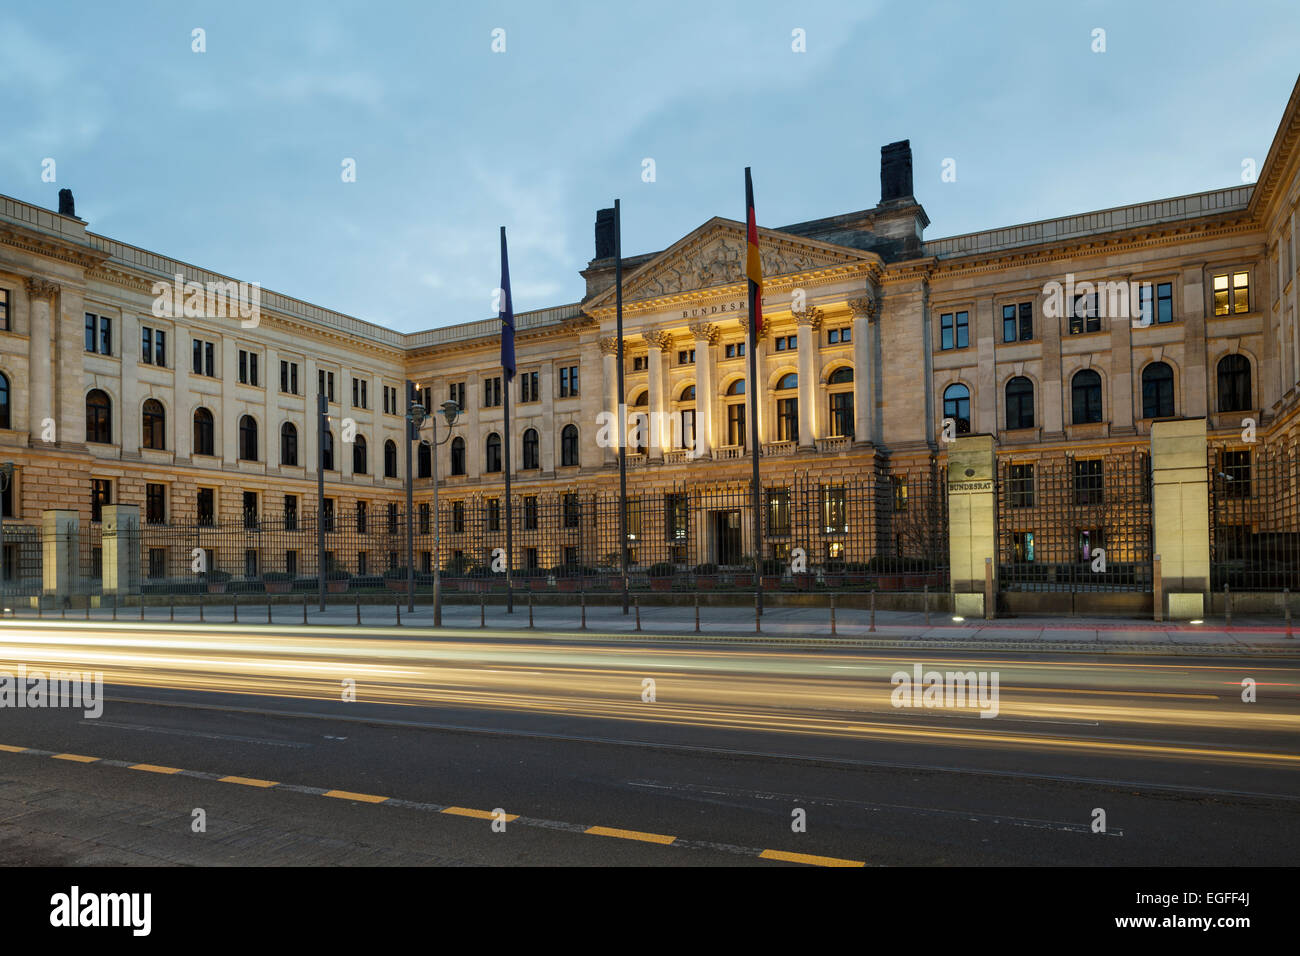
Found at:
<point>726,536</point>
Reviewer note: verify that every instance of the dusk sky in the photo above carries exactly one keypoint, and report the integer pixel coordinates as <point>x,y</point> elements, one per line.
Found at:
<point>231,159</point>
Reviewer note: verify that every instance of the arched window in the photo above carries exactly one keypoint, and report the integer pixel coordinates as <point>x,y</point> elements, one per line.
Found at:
<point>327,450</point>
<point>248,438</point>
<point>1020,403</point>
<point>1085,395</point>
<point>787,408</point>
<point>153,420</point>
<point>531,458</point>
<point>99,417</point>
<point>203,432</point>
<point>840,393</point>
<point>390,459</point>
<point>1234,383</point>
<point>569,445</point>
<point>360,462</point>
<point>956,405</point>
<point>4,402</point>
<point>458,456</point>
<point>424,461</point>
<point>288,444</point>
<point>736,414</point>
<point>492,453</point>
<point>1157,391</point>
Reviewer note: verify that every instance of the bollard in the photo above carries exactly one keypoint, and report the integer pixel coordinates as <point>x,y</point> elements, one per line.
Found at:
<point>87,607</point>
<point>833,631</point>
<point>304,608</point>
<point>1227,606</point>
<point>583,598</point>
<point>758,614</point>
<point>202,602</point>
<point>40,605</point>
<point>142,607</point>
<point>697,612</point>
<point>235,608</point>
<point>115,607</point>
<point>171,609</point>
<point>637,601</point>
<point>482,610</point>
<point>397,606</point>
<point>530,609</point>
<point>927,605</point>
<point>1286,605</point>
<point>268,609</point>
<point>873,611</point>
<point>358,610</point>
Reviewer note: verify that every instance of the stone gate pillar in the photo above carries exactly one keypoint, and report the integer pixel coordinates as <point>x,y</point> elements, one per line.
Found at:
<point>60,555</point>
<point>972,522</point>
<point>120,538</point>
<point>1180,515</point>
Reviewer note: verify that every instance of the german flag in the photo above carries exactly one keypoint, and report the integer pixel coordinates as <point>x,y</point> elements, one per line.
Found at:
<point>753,262</point>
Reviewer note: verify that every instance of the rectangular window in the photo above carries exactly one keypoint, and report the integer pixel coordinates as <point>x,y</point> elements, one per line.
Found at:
<point>568,381</point>
<point>787,419</point>
<point>422,518</point>
<point>528,387</point>
<point>247,367</point>
<point>204,358</point>
<point>289,378</point>
<point>494,514</point>
<point>290,512</point>
<point>206,506</point>
<point>492,392</point>
<point>101,493</point>
<point>327,515</point>
<point>392,518</point>
<point>250,562</point>
<point>1235,473</point>
<point>1022,547</point>
<point>639,363</point>
<point>1232,293</point>
<point>1021,486</point>
<point>530,513</point>
<point>359,397</point>
<point>571,511</point>
<point>735,350</point>
<point>153,346</point>
<point>250,509</point>
<point>291,563</point>
<point>457,394</point>
<point>677,517</point>
<point>325,384</point>
<point>157,563</point>
<point>99,334</point>
<point>458,517</point>
<point>1089,482</point>
<point>787,343</point>
<point>361,517</point>
<point>839,336</point>
<point>155,503</point>
<point>841,418</point>
<point>835,515</point>
<point>686,357</point>
<point>954,330</point>
<point>899,487</point>
<point>1018,322</point>
<point>4,310</point>
<point>778,511</point>
<point>1084,314</point>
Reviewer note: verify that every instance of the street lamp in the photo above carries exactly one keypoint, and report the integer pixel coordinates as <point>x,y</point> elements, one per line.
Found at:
<point>450,412</point>
<point>415,416</point>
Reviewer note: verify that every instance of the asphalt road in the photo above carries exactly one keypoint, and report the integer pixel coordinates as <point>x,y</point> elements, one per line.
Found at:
<point>249,726</point>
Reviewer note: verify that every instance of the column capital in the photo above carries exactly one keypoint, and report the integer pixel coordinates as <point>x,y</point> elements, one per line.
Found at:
<point>864,306</point>
<point>658,339</point>
<point>706,330</point>
<point>810,317</point>
<point>39,288</point>
<point>609,346</point>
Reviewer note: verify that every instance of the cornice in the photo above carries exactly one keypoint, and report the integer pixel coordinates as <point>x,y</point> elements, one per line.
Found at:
<point>50,247</point>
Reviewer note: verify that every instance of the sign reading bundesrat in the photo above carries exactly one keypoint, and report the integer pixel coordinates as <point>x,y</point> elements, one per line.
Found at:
<point>972,535</point>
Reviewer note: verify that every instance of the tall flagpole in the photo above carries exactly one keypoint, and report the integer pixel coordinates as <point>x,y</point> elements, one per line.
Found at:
<point>621,411</point>
<point>755,303</point>
<point>508,375</point>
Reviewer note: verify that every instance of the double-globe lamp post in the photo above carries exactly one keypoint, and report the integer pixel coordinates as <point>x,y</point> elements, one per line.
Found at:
<point>416,415</point>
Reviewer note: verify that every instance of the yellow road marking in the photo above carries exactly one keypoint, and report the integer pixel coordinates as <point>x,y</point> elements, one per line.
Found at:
<point>631,835</point>
<point>479,814</point>
<point>12,750</point>
<point>348,795</point>
<point>154,768</point>
<point>249,781</point>
<point>808,858</point>
<point>78,758</point>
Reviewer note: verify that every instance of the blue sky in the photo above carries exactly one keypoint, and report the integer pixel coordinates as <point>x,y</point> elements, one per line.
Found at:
<point>231,159</point>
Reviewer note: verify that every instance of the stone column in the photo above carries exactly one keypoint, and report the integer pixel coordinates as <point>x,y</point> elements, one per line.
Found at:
<point>706,335</point>
<point>1180,510</point>
<point>120,536</point>
<point>972,525</point>
<point>660,344</point>
<point>40,294</point>
<point>864,310</point>
<point>810,321</point>
<point>60,564</point>
<point>613,401</point>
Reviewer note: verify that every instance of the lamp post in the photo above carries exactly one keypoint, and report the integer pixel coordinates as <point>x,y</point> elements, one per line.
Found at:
<point>415,416</point>
<point>450,411</point>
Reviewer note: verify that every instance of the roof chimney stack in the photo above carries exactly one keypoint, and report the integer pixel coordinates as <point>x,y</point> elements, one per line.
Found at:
<point>896,171</point>
<point>66,206</point>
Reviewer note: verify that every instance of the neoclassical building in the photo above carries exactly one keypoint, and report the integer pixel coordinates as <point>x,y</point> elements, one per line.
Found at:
<point>879,344</point>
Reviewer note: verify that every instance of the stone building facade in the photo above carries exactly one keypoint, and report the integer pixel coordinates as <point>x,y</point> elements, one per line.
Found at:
<point>880,345</point>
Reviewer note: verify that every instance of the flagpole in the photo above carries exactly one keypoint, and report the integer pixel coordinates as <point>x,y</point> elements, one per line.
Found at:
<point>507,374</point>
<point>754,304</point>
<point>621,411</point>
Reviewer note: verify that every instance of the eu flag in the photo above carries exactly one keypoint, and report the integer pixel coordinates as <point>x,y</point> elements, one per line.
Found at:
<point>507,315</point>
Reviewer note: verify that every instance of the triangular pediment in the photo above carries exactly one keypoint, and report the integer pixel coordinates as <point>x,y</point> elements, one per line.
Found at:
<point>714,255</point>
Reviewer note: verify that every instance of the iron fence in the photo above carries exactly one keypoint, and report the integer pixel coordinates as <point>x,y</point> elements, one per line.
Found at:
<point>1075,522</point>
<point>1254,517</point>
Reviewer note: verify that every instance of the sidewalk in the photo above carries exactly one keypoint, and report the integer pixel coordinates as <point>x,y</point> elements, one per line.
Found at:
<point>779,624</point>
